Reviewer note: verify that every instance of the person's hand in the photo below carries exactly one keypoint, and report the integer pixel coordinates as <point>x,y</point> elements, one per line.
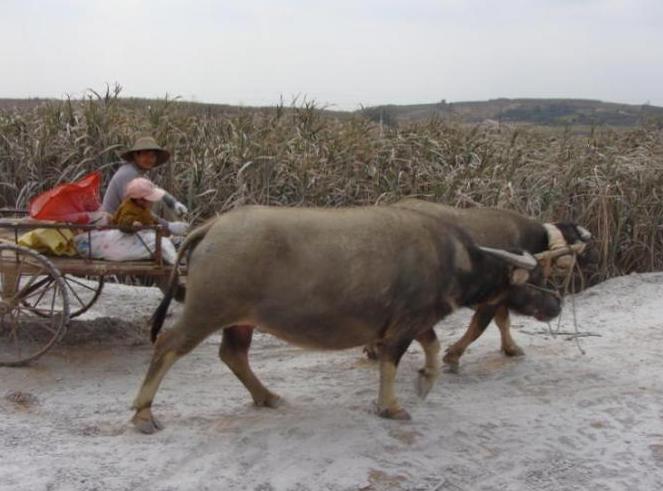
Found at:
<point>180,209</point>
<point>178,228</point>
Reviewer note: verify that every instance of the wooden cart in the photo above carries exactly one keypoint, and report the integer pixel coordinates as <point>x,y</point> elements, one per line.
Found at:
<point>39,293</point>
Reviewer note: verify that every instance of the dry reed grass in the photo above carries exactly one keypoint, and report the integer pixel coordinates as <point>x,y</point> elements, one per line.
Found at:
<point>609,181</point>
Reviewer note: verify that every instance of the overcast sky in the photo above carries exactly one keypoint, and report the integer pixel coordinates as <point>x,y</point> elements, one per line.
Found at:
<point>341,53</point>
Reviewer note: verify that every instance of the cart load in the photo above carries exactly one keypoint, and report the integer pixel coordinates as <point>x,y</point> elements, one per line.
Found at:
<point>41,291</point>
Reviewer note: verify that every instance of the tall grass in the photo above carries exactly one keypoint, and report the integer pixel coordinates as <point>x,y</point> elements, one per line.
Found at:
<point>609,181</point>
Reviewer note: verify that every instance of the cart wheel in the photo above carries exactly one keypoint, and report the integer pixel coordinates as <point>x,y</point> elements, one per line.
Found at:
<point>83,293</point>
<point>28,278</point>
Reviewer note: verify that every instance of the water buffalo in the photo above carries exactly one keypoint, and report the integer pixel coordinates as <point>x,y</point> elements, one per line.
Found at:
<point>333,279</point>
<point>504,229</point>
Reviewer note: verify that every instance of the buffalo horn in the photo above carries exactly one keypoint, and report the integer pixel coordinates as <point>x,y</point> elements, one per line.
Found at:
<point>525,260</point>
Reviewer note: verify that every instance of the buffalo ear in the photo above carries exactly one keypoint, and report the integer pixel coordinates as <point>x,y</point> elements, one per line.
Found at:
<point>519,276</point>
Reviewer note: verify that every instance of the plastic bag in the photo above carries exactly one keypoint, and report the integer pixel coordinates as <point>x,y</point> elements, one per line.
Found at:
<point>71,202</point>
<point>116,245</point>
<point>58,242</point>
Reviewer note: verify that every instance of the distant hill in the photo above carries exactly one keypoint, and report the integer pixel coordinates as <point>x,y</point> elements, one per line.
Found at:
<point>554,112</point>
<point>550,112</point>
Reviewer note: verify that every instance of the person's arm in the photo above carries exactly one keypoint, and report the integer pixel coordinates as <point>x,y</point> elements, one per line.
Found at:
<point>175,228</point>
<point>112,197</point>
<point>171,202</point>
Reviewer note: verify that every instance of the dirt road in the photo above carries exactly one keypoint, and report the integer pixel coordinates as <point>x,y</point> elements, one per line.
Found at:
<point>554,419</point>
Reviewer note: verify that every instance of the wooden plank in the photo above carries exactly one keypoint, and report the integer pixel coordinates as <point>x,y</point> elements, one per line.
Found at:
<point>92,267</point>
<point>100,267</point>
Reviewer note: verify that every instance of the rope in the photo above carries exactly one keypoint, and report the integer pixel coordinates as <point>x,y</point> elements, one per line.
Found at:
<point>567,291</point>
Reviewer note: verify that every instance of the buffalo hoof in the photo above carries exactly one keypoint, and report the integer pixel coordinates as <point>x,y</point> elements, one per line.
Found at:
<point>398,414</point>
<point>513,351</point>
<point>269,400</point>
<point>145,422</point>
<point>424,383</point>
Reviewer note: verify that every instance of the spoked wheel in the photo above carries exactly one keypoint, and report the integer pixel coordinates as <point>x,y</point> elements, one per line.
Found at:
<point>82,291</point>
<point>34,305</point>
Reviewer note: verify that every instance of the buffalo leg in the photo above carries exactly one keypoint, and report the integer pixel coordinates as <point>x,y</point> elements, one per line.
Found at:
<point>234,352</point>
<point>428,374</point>
<point>169,347</point>
<point>502,320</point>
<point>390,355</point>
<point>478,324</point>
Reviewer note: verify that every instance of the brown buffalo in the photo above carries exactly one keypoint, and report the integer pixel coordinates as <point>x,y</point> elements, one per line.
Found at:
<point>333,279</point>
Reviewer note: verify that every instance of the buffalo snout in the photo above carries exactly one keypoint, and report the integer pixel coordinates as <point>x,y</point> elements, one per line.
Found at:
<point>543,305</point>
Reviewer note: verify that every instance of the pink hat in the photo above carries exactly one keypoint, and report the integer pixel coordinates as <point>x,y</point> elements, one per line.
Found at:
<point>141,188</point>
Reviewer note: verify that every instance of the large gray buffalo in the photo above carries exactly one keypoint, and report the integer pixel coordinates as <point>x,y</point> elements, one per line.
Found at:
<point>503,229</point>
<point>333,279</point>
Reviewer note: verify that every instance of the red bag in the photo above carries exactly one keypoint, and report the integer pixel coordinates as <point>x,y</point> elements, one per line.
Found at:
<point>70,202</point>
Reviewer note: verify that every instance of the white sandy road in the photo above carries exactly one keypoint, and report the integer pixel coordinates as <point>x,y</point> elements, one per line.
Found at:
<point>554,419</point>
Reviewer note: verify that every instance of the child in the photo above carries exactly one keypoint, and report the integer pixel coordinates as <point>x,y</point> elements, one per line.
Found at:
<point>136,207</point>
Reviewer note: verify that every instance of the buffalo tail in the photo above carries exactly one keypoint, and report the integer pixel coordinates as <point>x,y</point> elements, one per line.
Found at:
<point>174,288</point>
